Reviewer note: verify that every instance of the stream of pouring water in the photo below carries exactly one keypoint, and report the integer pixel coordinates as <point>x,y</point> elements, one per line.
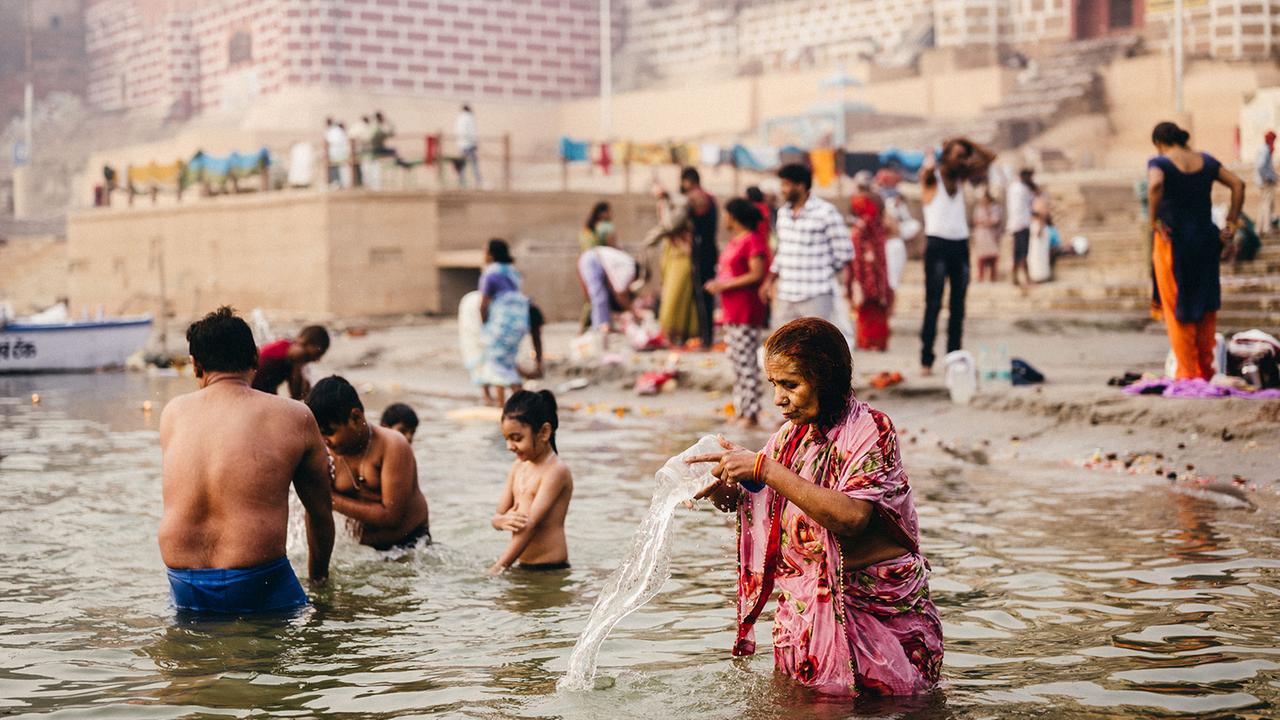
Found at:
<point>646,566</point>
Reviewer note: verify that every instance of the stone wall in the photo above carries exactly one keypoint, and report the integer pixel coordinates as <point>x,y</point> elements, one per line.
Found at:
<point>356,253</point>
<point>178,57</point>
<point>33,272</point>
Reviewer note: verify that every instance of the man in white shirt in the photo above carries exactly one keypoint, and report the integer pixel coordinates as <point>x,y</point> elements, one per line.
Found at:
<point>1019,199</point>
<point>339,147</point>
<point>465,128</point>
<point>946,229</point>
<point>813,245</point>
<point>1266,183</point>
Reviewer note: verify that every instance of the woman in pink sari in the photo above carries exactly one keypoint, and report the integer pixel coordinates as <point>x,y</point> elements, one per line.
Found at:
<point>826,515</point>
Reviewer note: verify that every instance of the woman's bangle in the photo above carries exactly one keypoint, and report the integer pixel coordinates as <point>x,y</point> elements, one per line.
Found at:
<point>755,475</point>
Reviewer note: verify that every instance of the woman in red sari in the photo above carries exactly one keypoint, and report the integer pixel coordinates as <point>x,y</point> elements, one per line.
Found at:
<point>871,290</point>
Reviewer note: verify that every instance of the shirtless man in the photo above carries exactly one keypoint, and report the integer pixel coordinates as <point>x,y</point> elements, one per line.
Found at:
<point>230,454</point>
<point>377,480</point>
<point>539,486</point>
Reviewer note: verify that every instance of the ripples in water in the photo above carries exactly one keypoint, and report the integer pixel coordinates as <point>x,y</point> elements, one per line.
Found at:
<point>1063,593</point>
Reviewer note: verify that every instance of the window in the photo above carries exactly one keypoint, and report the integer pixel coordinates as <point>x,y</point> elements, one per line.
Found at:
<point>1121,13</point>
<point>240,48</point>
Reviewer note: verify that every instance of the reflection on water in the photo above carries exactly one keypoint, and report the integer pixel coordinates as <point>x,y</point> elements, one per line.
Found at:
<point>1063,593</point>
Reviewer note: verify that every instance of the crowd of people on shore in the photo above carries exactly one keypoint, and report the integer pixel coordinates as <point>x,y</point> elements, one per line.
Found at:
<point>825,512</point>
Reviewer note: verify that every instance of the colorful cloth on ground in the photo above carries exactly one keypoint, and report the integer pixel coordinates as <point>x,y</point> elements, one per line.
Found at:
<point>823,161</point>
<point>837,630</point>
<point>871,272</point>
<point>742,305</point>
<point>1193,343</point>
<point>1195,388</point>
<point>273,366</point>
<point>1186,211</point>
<point>676,313</point>
<point>506,326</point>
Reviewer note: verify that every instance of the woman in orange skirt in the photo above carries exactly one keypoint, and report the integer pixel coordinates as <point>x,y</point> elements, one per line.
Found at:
<point>1187,246</point>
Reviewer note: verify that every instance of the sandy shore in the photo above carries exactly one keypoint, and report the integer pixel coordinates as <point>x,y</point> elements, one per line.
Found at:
<point>1075,417</point>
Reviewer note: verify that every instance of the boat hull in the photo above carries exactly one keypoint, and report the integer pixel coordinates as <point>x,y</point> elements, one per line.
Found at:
<point>71,347</point>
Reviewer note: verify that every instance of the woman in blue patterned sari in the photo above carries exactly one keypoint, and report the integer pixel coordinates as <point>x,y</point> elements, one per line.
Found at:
<point>505,310</point>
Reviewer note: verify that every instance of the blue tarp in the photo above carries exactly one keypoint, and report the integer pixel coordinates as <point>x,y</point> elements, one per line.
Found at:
<point>573,151</point>
<point>233,164</point>
<point>909,160</point>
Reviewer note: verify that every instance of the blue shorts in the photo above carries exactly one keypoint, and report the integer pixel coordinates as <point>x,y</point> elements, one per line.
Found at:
<point>269,587</point>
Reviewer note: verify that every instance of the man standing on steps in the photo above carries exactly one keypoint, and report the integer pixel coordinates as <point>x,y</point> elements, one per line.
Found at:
<point>1266,183</point>
<point>946,229</point>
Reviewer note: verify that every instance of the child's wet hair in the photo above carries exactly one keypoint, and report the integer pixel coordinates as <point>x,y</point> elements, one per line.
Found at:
<point>533,409</point>
<point>399,414</point>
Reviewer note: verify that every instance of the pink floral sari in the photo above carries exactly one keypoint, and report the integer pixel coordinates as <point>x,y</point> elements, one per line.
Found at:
<point>841,632</point>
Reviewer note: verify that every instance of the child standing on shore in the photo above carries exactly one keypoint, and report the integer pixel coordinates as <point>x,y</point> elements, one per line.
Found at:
<point>539,486</point>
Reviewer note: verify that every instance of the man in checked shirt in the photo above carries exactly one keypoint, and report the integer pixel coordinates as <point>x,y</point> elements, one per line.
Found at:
<point>814,246</point>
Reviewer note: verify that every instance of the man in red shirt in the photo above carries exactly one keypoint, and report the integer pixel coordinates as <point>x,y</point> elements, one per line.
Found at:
<point>283,360</point>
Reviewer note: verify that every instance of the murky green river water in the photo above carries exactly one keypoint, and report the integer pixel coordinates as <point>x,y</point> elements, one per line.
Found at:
<point>1064,593</point>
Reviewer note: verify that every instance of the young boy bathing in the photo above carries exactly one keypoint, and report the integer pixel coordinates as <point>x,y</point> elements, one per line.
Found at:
<point>539,486</point>
<point>401,418</point>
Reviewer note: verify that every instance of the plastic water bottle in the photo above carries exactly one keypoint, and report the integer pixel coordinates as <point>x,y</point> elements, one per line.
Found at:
<point>1003,370</point>
<point>691,478</point>
<point>985,369</point>
<point>961,376</point>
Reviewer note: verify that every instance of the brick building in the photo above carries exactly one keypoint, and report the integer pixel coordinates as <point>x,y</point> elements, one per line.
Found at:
<point>182,57</point>
<point>670,38</point>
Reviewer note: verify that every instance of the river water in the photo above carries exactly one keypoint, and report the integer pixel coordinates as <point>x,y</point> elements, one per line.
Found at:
<point>1064,593</point>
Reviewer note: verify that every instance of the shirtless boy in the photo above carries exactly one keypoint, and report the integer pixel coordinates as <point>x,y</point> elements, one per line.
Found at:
<point>377,480</point>
<point>230,454</point>
<point>283,361</point>
<point>539,486</point>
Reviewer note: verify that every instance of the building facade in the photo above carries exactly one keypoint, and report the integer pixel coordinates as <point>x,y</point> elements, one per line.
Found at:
<point>182,57</point>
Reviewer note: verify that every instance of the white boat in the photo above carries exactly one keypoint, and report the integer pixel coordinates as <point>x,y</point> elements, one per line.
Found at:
<point>33,347</point>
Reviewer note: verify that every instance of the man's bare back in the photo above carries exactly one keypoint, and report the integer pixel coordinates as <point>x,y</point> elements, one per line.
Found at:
<point>230,455</point>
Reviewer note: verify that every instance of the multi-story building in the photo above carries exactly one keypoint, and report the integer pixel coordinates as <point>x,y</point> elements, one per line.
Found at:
<point>182,57</point>
<point>670,38</point>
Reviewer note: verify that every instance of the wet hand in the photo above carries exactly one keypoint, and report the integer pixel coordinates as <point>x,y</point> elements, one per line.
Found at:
<point>495,569</point>
<point>511,521</point>
<point>732,466</point>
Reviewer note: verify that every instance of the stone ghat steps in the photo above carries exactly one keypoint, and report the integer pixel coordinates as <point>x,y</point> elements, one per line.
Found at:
<point>1234,321</point>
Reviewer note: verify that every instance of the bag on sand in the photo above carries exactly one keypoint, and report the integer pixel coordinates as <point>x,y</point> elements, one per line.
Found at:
<point>1021,373</point>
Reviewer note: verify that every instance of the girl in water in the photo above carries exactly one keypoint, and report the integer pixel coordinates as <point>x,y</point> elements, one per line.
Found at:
<point>539,486</point>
